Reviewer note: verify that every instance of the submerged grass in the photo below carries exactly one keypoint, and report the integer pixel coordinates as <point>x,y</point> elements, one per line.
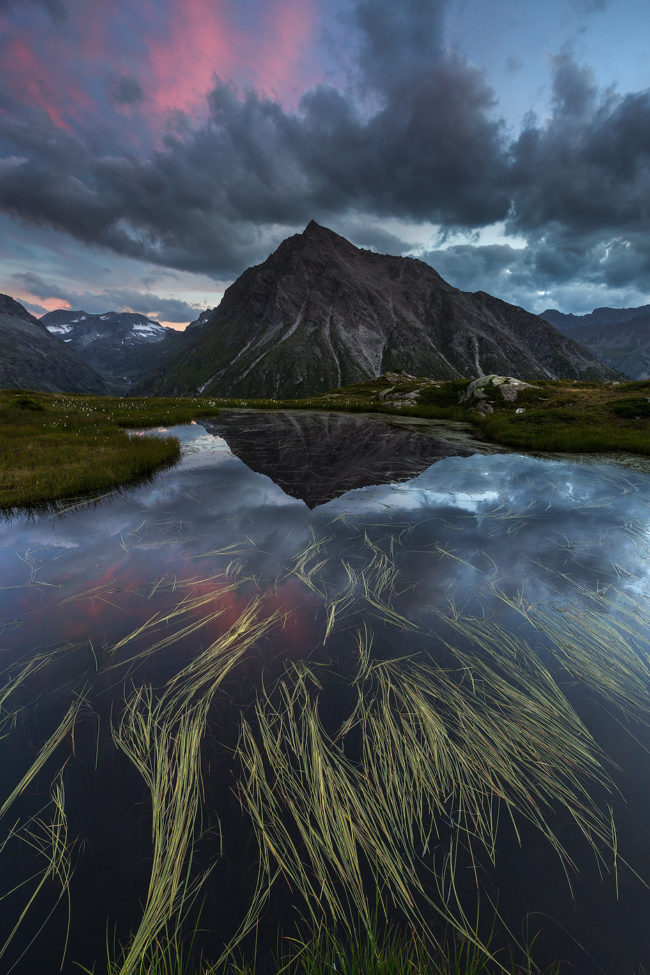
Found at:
<point>48,838</point>
<point>163,739</point>
<point>389,952</point>
<point>323,952</point>
<point>369,785</point>
<point>45,832</point>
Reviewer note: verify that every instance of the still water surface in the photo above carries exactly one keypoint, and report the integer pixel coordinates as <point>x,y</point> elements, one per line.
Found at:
<point>343,532</point>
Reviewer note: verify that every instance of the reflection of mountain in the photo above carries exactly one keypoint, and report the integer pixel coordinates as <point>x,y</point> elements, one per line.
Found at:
<point>318,456</point>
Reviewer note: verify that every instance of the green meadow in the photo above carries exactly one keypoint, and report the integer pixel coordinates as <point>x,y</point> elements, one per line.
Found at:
<point>60,445</point>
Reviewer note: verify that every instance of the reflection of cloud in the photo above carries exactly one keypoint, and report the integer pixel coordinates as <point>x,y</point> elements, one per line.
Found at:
<point>411,498</point>
<point>456,532</point>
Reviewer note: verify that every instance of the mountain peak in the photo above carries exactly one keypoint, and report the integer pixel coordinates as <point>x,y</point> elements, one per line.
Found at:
<point>316,231</point>
<point>320,313</point>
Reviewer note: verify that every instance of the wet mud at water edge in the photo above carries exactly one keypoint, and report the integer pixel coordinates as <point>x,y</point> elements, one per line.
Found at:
<point>224,705</point>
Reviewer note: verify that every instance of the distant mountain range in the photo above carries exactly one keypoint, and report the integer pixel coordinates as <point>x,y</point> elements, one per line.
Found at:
<point>619,336</point>
<point>122,346</point>
<point>320,313</point>
<point>31,358</point>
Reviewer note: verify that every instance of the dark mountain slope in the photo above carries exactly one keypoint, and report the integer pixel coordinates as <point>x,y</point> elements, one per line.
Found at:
<point>31,358</point>
<point>320,313</point>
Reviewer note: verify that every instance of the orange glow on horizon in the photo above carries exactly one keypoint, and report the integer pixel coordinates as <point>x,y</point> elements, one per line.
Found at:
<point>177,326</point>
<point>50,304</point>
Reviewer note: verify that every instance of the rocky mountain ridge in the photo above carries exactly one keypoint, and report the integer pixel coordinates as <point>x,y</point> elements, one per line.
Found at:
<point>618,336</point>
<point>320,313</point>
<point>567,322</point>
<point>32,358</point>
<point>122,346</point>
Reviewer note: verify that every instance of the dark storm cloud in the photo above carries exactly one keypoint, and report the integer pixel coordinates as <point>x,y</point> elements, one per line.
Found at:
<point>399,41</point>
<point>431,153</point>
<point>417,139</point>
<point>163,309</point>
<point>125,90</point>
<point>580,186</point>
<point>35,285</point>
<point>372,236</point>
<point>588,167</point>
<point>559,270</point>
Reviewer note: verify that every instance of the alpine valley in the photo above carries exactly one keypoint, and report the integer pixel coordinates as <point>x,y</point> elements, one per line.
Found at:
<point>123,347</point>
<point>32,358</point>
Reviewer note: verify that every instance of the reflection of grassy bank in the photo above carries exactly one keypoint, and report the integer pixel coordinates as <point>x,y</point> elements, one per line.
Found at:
<point>56,445</point>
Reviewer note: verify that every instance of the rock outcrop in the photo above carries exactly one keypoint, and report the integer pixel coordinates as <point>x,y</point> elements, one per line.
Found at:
<point>487,392</point>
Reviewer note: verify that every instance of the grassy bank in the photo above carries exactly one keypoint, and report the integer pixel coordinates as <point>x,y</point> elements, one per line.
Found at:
<point>58,445</point>
<point>553,415</point>
<point>575,417</point>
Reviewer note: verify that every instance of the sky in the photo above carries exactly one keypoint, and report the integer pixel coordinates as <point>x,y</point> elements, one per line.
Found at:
<point>151,151</point>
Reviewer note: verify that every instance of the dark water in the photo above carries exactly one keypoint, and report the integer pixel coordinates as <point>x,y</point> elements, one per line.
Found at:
<point>332,526</point>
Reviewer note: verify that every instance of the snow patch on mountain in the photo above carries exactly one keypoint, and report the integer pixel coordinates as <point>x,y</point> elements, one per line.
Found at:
<point>152,330</point>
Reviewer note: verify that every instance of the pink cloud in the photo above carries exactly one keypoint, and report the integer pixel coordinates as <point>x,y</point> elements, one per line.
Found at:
<point>197,46</point>
<point>174,48</point>
<point>198,42</point>
<point>40,72</point>
<point>280,58</point>
<point>27,80</point>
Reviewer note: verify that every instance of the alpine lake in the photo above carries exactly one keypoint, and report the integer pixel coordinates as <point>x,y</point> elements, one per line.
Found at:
<point>330,672</point>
